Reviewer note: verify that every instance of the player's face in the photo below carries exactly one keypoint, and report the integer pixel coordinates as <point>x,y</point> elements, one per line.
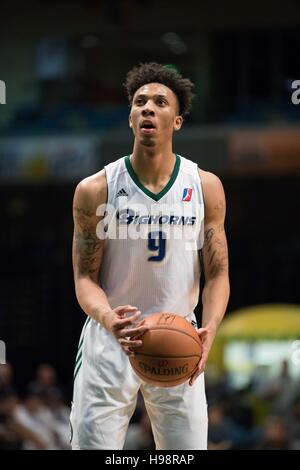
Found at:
<point>154,114</point>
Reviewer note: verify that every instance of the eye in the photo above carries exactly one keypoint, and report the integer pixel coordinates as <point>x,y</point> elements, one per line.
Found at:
<point>161,102</point>
<point>139,101</point>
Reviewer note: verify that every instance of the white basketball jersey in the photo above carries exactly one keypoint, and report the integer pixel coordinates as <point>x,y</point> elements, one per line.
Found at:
<point>151,250</point>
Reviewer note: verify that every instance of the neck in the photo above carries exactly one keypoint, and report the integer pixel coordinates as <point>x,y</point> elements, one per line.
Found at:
<point>152,164</point>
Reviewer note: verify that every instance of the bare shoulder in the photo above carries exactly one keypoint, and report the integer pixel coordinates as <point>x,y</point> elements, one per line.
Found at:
<point>213,193</point>
<point>211,183</point>
<point>91,191</point>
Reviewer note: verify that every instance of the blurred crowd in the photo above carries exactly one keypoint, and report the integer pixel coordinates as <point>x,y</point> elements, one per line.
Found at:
<point>37,421</point>
<point>262,415</point>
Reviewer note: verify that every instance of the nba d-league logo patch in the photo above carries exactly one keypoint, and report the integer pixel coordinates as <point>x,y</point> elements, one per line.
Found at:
<point>187,194</point>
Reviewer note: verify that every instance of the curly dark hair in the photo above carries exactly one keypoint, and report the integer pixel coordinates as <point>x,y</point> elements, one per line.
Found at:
<point>152,72</point>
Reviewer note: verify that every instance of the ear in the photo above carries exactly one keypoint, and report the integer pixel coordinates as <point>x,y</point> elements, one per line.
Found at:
<point>178,123</point>
<point>130,120</point>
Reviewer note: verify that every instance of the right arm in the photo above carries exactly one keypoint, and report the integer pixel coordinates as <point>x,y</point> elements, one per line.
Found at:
<point>88,250</point>
<point>87,258</point>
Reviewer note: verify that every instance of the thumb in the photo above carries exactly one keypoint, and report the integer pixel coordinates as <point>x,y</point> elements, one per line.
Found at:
<point>202,332</point>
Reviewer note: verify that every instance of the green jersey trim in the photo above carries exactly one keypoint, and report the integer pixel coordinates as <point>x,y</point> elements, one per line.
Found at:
<point>149,193</point>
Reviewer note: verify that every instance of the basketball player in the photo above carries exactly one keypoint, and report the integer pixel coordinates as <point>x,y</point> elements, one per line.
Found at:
<point>154,268</point>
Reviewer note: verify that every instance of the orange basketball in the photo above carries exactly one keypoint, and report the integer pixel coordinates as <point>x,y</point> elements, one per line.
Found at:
<point>170,352</point>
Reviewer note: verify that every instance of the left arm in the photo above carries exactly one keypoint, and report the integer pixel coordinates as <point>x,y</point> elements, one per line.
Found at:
<point>215,259</point>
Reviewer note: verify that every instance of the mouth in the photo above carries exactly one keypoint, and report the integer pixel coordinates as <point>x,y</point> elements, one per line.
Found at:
<point>147,127</point>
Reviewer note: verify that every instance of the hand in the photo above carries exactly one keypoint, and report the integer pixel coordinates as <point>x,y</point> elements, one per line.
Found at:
<point>123,325</point>
<point>206,336</point>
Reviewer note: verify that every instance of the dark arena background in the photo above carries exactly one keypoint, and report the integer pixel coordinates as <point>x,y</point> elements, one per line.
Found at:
<point>63,115</point>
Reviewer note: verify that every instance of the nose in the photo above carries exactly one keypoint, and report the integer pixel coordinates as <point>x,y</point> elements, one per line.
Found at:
<point>147,111</point>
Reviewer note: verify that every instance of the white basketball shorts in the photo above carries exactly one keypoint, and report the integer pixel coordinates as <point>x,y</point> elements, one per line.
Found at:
<point>105,394</point>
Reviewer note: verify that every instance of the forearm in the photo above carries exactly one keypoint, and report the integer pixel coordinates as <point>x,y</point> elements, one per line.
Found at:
<point>93,300</point>
<point>214,300</point>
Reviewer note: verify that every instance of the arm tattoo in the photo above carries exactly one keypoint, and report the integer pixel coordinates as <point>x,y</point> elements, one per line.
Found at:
<point>86,243</point>
<point>82,216</point>
<point>208,235</point>
<point>216,249</point>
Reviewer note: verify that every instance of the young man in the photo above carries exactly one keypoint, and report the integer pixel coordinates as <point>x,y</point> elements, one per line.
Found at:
<point>161,210</point>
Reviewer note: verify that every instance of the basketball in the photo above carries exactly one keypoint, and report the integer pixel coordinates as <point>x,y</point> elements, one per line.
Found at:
<point>170,352</point>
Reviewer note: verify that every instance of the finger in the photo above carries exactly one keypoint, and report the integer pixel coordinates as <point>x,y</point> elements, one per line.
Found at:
<point>130,343</point>
<point>128,323</point>
<point>123,311</point>
<point>199,370</point>
<point>193,378</point>
<point>203,359</point>
<point>125,308</point>
<point>202,365</point>
<point>129,352</point>
<point>134,332</point>
<point>202,332</point>
<point>129,320</point>
<point>196,375</point>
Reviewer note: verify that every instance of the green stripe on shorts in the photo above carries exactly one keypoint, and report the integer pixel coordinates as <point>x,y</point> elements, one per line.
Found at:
<point>78,360</point>
<point>77,369</point>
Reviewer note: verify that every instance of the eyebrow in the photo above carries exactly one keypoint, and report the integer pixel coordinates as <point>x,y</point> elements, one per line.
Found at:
<point>143,95</point>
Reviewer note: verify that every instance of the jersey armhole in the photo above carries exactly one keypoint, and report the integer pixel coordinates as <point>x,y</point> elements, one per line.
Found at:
<point>201,187</point>
<point>106,202</point>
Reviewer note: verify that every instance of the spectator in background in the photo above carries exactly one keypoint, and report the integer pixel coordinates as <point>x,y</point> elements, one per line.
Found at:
<point>42,421</point>
<point>294,425</point>
<point>6,378</point>
<point>47,426</point>
<point>61,419</point>
<point>45,384</point>
<point>216,385</point>
<point>279,391</point>
<point>224,433</point>
<point>37,418</point>
<point>13,434</point>
<point>10,438</point>
<point>275,435</point>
